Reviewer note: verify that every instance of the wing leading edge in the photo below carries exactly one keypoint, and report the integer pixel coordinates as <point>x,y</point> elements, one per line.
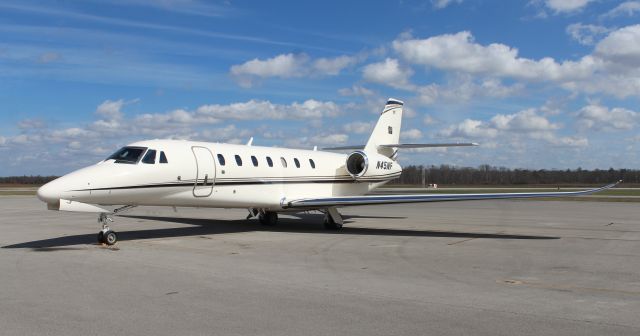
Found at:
<point>394,199</point>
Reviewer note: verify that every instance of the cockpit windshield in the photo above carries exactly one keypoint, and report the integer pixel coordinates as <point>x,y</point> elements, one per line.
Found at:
<point>128,155</point>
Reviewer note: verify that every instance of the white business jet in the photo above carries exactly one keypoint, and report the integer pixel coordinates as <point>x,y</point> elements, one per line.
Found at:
<point>264,180</point>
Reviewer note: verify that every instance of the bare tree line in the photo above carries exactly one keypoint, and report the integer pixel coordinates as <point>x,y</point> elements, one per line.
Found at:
<point>27,179</point>
<point>489,175</point>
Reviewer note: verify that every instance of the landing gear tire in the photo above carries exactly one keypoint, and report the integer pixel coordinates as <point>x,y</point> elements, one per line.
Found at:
<point>330,224</point>
<point>106,235</point>
<point>268,218</point>
<point>110,237</point>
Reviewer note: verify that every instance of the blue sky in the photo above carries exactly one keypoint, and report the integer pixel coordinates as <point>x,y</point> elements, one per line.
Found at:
<point>540,83</point>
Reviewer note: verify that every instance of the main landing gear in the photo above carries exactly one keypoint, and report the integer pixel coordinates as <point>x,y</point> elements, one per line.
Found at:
<point>268,218</point>
<point>333,219</point>
<point>106,235</point>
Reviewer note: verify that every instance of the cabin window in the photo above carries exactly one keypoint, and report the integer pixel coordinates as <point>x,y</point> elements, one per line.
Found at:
<point>284,162</point>
<point>254,160</point>
<point>163,158</point>
<point>238,160</point>
<point>221,159</point>
<point>150,157</point>
<point>129,155</point>
<point>269,162</point>
<point>295,160</point>
<point>313,164</point>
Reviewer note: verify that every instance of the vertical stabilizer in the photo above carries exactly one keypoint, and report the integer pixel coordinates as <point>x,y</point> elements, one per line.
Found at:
<point>387,130</point>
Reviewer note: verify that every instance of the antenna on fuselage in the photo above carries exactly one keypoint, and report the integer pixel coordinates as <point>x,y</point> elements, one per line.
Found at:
<point>315,148</point>
<point>250,141</point>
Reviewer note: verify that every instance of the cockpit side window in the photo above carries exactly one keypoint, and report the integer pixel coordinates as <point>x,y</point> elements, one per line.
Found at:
<point>163,158</point>
<point>221,159</point>
<point>129,155</point>
<point>150,157</point>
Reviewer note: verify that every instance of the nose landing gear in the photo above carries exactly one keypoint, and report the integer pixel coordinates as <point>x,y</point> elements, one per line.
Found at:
<point>106,235</point>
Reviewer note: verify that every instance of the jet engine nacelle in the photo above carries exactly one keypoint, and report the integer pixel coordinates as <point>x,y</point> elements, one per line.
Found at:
<point>360,164</point>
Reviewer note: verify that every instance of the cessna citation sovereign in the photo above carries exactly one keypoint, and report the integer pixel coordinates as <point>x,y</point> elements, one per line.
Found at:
<point>264,180</point>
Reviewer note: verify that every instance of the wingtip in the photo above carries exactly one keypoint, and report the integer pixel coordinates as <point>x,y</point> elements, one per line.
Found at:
<point>612,184</point>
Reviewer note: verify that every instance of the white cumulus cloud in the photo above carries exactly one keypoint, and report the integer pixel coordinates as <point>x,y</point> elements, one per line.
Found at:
<point>566,6</point>
<point>600,117</point>
<point>439,4</point>
<point>586,34</point>
<point>329,139</point>
<point>459,52</point>
<point>332,66</point>
<point>289,66</point>
<point>627,8</point>
<point>411,134</point>
<point>511,127</point>
<point>470,128</point>
<point>465,88</point>
<point>621,47</point>
<point>261,109</point>
<point>110,109</point>
<point>527,120</point>
<point>388,72</point>
<point>358,127</point>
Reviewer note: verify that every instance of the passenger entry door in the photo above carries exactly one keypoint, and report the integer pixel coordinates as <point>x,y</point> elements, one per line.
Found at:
<point>205,171</point>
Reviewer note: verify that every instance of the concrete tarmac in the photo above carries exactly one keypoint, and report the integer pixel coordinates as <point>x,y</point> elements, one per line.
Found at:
<point>459,268</point>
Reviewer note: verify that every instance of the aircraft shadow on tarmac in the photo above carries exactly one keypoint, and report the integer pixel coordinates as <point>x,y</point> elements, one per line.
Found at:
<point>307,223</point>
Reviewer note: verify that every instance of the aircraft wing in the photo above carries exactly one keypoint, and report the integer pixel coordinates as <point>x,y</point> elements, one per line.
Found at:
<point>342,201</point>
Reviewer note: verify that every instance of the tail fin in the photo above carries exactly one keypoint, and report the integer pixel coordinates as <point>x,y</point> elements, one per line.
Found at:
<point>387,130</point>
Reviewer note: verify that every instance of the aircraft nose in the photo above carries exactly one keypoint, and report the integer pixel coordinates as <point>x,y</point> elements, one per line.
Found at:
<point>50,192</point>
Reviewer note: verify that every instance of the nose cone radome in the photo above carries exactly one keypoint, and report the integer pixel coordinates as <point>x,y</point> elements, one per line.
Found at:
<point>50,192</point>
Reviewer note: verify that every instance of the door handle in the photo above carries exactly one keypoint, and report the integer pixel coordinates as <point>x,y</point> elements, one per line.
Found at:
<point>206,178</point>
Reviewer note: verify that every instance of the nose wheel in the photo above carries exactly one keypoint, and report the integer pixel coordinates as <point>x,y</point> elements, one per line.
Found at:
<point>106,235</point>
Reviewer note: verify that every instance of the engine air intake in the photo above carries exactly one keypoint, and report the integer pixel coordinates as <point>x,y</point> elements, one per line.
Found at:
<point>357,164</point>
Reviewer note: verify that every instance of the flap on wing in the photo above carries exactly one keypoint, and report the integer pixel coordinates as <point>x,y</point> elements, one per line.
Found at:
<point>392,199</point>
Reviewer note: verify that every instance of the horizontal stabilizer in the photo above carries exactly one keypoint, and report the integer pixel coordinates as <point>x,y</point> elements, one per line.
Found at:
<point>341,201</point>
<point>352,147</point>
<point>457,144</point>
